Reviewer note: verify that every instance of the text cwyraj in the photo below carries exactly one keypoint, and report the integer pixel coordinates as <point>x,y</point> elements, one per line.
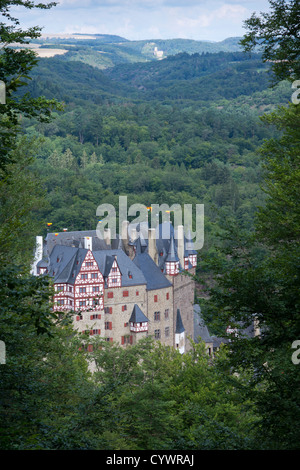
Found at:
<point>155,459</point>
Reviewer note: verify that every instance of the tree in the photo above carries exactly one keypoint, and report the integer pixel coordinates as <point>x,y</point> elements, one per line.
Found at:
<point>21,197</point>
<point>258,284</point>
<point>15,66</point>
<point>276,34</point>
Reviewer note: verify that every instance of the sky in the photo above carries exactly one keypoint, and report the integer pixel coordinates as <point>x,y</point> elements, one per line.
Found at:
<point>212,20</point>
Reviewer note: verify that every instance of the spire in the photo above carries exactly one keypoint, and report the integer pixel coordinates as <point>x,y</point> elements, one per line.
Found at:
<point>189,245</point>
<point>172,255</point>
<point>138,246</point>
<point>137,315</point>
<point>179,325</point>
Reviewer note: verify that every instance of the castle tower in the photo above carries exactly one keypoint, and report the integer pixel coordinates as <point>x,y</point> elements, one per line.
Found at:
<point>138,323</point>
<point>172,260</point>
<point>179,333</point>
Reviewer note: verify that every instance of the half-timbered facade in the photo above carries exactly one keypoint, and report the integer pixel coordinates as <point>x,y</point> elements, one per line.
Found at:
<point>120,290</point>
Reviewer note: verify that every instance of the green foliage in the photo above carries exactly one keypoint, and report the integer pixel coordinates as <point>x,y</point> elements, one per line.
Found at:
<point>267,264</point>
<point>21,199</point>
<point>276,35</point>
<point>15,66</point>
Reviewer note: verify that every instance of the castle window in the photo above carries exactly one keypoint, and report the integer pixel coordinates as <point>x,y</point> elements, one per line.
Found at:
<point>82,290</point>
<point>84,276</point>
<point>126,339</point>
<point>89,263</point>
<point>125,293</point>
<point>110,295</point>
<point>82,303</point>
<point>157,316</point>
<point>157,334</point>
<point>70,289</point>
<point>95,288</point>
<point>94,275</point>
<point>167,332</point>
<point>124,307</point>
<point>96,316</point>
<point>155,298</point>
<point>78,317</point>
<point>95,332</point>
<point>108,325</point>
<point>61,302</point>
<point>167,295</point>
<point>137,292</point>
<point>166,313</point>
<point>107,309</point>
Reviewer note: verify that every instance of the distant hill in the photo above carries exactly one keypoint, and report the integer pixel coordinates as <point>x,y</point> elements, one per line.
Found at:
<point>202,78</point>
<point>105,51</point>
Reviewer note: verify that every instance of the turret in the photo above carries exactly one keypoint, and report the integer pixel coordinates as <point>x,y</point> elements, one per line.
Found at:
<point>172,260</point>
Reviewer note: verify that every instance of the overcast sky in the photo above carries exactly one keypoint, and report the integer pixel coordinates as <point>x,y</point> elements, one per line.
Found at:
<point>213,20</point>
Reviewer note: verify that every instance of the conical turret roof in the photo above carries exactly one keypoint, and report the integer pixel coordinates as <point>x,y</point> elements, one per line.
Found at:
<point>172,255</point>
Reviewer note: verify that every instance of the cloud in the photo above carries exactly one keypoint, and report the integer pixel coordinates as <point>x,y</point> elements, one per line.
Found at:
<point>146,19</point>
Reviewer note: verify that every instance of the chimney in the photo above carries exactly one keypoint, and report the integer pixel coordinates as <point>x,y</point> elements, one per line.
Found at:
<point>88,243</point>
<point>38,254</point>
<point>107,236</point>
<point>152,251</point>
<point>180,244</point>
<point>132,233</point>
<point>124,234</point>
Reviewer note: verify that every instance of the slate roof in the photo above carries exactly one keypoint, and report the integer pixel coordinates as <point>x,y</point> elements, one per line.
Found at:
<point>154,277</point>
<point>105,260</point>
<point>69,248</point>
<point>201,330</point>
<point>137,315</point>
<point>76,239</point>
<point>172,254</point>
<point>65,262</point>
<point>164,234</point>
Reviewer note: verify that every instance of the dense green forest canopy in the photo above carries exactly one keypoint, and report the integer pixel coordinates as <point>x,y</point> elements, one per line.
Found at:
<point>181,130</point>
<point>184,129</point>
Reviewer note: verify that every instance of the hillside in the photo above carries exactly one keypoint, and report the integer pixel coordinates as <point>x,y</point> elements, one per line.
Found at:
<point>105,51</point>
<point>181,130</point>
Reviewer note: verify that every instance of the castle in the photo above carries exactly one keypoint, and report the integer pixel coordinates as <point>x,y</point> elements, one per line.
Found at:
<point>124,288</point>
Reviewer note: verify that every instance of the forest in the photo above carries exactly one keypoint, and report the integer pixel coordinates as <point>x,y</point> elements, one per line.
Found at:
<point>214,127</point>
<point>124,132</point>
